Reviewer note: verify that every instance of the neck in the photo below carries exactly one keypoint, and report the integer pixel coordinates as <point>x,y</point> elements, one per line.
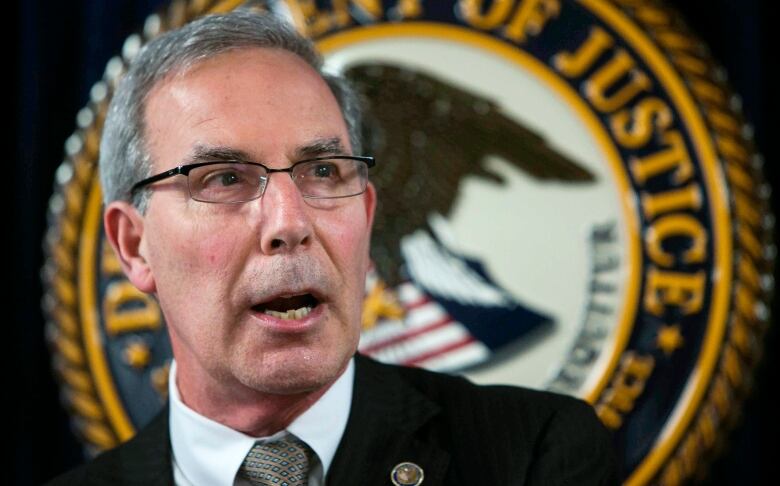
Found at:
<point>252,412</point>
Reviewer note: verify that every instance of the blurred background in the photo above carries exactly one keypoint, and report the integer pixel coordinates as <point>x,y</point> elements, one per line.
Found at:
<point>61,48</point>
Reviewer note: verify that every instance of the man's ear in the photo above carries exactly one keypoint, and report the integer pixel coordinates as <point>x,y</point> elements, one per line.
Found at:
<point>370,201</point>
<point>124,228</point>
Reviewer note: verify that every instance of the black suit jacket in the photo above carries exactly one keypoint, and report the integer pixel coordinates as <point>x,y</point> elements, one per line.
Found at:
<point>457,432</point>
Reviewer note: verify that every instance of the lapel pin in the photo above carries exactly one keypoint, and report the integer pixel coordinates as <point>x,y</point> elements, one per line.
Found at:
<point>407,474</point>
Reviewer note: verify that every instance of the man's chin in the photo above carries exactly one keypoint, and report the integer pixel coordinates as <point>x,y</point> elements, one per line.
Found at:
<point>294,377</point>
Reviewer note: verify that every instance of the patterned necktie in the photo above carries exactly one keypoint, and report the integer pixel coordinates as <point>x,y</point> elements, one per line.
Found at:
<point>283,462</point>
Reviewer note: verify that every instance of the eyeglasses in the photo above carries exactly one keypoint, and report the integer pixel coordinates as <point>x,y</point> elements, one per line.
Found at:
<point>236,181</point>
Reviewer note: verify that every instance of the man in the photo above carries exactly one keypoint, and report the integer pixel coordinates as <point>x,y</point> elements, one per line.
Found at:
<point>261,276</point>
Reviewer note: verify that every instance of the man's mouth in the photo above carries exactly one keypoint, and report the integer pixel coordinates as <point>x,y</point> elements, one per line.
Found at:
<point>288,308</point>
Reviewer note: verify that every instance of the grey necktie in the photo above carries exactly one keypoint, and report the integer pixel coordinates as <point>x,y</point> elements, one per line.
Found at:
<point>283,462</point>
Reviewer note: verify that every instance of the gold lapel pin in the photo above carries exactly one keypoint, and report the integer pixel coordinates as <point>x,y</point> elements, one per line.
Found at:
<point>407,474</point>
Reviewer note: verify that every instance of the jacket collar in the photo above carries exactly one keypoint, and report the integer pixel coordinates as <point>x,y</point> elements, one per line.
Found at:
<point>146,461</point>
<point>385,429</point>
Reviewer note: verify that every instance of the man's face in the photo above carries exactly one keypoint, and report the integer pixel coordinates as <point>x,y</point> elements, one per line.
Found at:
<point>218,268</point>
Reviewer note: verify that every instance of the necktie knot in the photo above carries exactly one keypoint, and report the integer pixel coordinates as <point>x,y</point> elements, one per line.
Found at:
<point>283,462</point>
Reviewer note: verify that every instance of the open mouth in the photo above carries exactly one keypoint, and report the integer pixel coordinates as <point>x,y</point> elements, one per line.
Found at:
<point>288,308</point>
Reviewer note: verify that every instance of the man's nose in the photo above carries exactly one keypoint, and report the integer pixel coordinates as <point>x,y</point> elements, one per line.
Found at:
<point>286,220</point>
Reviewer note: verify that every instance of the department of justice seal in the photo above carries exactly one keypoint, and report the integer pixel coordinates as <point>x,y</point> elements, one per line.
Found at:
<point>569,200</point>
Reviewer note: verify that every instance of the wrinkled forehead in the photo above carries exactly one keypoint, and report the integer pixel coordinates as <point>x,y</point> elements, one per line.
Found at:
<point>267,62</point>
<point>258,100</point>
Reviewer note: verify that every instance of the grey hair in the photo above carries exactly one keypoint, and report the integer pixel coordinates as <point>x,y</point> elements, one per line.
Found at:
<point>124,156</point>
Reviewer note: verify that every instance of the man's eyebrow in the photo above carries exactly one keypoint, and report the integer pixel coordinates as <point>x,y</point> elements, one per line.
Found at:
<point>316,148</point>
<point>204,153</point>
<point>324,146</point>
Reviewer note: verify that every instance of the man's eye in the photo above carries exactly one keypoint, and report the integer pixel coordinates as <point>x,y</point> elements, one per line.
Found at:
<point>223,178</point>
<point>228,179</point>
<point>325,171</point>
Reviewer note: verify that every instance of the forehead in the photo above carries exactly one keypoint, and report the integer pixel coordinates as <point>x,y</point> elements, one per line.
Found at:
<point>265,102</point>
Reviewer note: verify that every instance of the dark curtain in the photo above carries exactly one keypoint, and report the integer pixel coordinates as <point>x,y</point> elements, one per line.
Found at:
<point>61,48</point>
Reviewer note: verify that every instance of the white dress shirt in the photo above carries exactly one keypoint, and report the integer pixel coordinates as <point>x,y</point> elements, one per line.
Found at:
<point>207,453</point>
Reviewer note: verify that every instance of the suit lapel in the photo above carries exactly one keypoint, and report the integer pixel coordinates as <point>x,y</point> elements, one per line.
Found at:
<point>146,461</point>
<point>384,429</point>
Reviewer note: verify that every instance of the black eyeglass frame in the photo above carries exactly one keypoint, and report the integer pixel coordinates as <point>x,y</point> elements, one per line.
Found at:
<point>185,170</point>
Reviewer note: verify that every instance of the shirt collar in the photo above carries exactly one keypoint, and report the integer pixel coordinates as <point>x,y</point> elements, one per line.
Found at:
<point>211,453</point>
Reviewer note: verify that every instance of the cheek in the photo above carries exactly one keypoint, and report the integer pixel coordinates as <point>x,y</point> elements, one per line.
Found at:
<point>194,254</point>
<point>217,250</point>
<point>346,238</point>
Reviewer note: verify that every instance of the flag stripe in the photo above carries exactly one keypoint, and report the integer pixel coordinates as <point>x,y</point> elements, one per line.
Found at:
<point>406,335</point>
<point>439,351</point>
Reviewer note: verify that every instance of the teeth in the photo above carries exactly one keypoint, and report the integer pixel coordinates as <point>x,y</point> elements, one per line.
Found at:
<point>290,314</point>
